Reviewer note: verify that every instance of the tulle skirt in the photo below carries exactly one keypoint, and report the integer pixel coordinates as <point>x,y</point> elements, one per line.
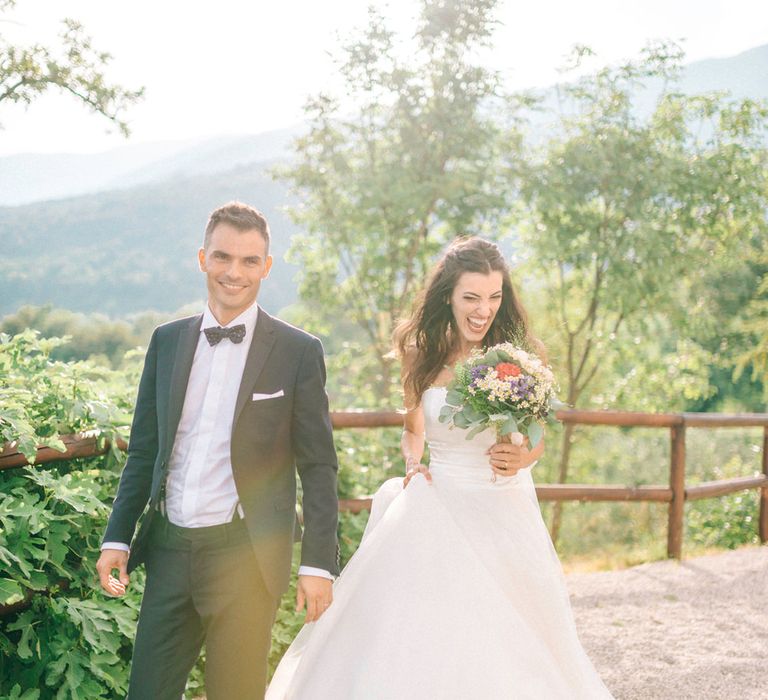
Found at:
<point>454,592</point>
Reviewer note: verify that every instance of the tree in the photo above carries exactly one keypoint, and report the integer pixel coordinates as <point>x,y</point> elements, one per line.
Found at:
<point>28,72</point>
<point>384,190</point>
<point>754,329</point>
<point>724,318</point>
<point>92,337</point>
<point>622,210</point>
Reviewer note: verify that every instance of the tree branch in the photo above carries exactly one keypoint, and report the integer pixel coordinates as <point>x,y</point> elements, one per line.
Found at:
<point>563,312</point>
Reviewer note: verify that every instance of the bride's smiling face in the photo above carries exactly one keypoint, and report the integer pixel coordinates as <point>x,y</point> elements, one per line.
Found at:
<point>475,300</point>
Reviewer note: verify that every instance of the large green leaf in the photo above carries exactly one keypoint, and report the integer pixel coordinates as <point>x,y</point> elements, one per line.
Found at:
<point>10,592</point>
<point>24,648</point>
<point>18,694</point>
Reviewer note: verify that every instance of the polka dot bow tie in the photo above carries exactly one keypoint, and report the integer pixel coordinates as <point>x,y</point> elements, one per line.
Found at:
<point>215,334</point>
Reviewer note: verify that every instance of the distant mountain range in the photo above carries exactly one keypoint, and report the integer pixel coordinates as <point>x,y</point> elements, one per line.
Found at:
<point>133,249</point>
<point>122,229</point>
<point>36,177</point>
<point>744,75</point>
<point>29,178</point>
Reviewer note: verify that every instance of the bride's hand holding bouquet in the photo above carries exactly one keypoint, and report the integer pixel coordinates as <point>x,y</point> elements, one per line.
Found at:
<point>507,388</point>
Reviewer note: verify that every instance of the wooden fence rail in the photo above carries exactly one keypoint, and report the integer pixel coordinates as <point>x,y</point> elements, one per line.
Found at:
<point>676,494</point>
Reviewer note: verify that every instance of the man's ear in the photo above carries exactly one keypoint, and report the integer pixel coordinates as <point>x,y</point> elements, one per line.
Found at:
<point>201,259</point>
<point>267,267</point>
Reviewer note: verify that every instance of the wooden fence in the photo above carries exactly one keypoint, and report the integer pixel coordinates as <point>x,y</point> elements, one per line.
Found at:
<point>675,494</point>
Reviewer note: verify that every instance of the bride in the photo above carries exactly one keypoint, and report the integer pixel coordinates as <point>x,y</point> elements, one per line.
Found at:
<point>455,590</point>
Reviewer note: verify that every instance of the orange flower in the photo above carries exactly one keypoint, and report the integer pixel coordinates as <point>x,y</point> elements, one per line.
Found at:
<point>507,369</point>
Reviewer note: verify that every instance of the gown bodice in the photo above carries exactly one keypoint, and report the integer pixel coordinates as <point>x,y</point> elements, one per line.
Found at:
<point>450,453</point>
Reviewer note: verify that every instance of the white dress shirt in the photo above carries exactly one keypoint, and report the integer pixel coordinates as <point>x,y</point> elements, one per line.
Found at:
<point>200,491</point>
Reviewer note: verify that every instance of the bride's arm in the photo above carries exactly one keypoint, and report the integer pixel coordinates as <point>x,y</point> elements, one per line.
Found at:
<point>412,444</point>
<point>412,440</point>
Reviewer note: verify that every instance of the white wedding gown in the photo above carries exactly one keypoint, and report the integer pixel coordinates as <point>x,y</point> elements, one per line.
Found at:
<point>454,592</point>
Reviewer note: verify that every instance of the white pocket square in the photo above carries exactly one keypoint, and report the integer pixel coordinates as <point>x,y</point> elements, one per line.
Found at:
<point>262,397</point>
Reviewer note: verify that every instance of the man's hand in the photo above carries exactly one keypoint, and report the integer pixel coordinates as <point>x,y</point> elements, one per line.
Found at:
<point>317,593</point>
<point>110,560</point>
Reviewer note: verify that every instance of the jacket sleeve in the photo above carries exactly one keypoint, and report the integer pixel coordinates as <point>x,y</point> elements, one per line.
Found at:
<point>136,479</point>
<point>316,462</point>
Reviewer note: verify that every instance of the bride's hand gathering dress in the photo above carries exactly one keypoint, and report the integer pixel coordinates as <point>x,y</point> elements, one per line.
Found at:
<point>455,592</point>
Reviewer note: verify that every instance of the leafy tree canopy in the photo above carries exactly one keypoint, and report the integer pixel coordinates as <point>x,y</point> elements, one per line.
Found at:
<point>385,189</point>
<point>76,67</point>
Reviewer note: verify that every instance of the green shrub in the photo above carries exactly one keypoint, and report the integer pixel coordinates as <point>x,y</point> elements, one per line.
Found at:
<point>726,522</point>
<point>63,638</point>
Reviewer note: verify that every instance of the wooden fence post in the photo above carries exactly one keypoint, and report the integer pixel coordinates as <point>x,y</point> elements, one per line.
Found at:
<point>763,524</point>
<point>677,484</point>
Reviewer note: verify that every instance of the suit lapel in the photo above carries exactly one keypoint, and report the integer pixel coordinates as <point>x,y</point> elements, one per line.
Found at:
<point>263,339</point>
<point>182,365</point>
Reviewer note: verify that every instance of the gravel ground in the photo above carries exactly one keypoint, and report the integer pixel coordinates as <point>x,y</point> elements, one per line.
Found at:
<point>697,629</point>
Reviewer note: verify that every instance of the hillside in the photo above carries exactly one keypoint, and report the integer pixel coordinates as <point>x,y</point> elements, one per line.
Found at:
<point>32,177</point>
<point>129,250</point>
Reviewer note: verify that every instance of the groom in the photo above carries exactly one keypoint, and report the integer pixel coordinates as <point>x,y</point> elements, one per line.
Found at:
<point>231,405</point>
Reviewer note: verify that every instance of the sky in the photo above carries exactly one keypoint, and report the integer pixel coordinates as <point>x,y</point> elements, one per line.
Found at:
<point>239,66</point>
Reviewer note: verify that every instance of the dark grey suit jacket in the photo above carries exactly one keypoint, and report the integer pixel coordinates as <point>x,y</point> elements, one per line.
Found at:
<point>271,440</point>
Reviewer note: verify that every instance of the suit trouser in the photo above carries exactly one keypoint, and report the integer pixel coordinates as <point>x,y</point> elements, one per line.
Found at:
<point>203,586</point>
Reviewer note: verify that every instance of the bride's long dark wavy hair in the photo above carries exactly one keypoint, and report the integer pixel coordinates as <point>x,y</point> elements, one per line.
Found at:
<point>432,330</point>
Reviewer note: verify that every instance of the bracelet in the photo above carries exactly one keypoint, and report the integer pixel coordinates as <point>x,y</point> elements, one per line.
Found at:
<point>411,462</point>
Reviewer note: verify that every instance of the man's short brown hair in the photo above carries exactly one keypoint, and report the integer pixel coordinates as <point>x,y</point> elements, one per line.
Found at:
<point>242,216</point>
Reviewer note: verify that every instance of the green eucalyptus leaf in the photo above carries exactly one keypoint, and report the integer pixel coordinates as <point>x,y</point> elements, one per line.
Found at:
<point>454,398</point>
<point>476,429</point>
<point>535,433</point>
<point>509,426</point>
<point>473,414</point>
<point>461,421</point>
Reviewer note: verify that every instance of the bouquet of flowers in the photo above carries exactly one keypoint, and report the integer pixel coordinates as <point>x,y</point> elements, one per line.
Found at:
<point>505,387</point>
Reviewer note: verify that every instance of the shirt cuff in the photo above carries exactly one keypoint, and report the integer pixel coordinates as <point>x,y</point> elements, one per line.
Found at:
<point>313,571</point>
<point>115,545</point>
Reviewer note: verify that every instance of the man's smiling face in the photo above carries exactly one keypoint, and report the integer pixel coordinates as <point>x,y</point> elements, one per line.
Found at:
<point>234,263</point>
